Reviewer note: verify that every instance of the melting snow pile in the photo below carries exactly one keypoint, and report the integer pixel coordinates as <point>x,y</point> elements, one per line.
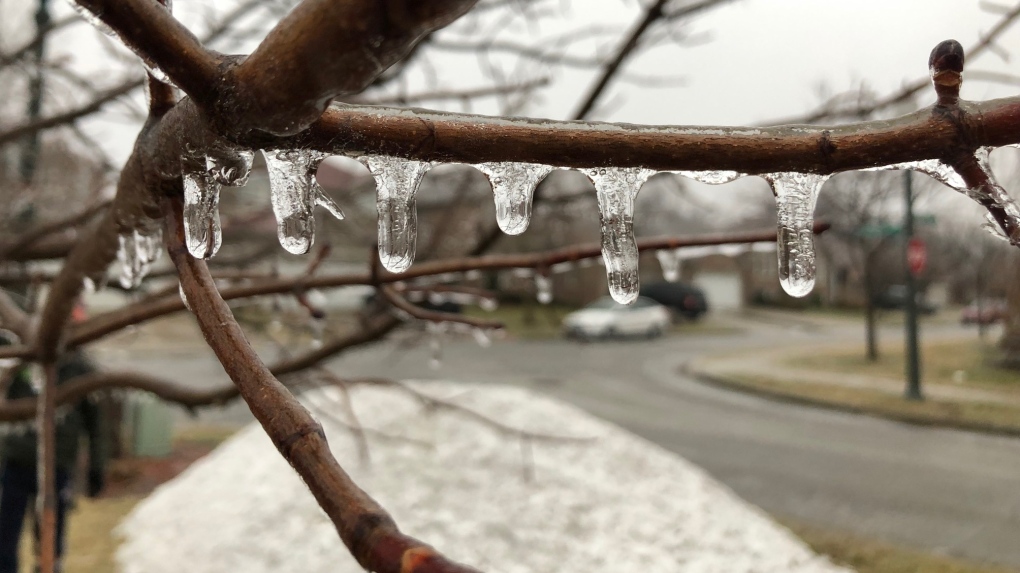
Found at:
<point>615,503</point>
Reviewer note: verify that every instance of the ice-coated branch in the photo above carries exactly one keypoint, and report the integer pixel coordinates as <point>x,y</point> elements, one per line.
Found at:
<point>351,43</point>
<point>322,49</point>
<point>425,135</point>
<point>365,527</point>
<point>102,325</point>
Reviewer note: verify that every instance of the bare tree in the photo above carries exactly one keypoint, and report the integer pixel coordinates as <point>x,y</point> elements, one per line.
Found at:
<point>278,99</point>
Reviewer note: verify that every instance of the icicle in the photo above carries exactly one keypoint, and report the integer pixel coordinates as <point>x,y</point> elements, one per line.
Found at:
<point>326,202</point>
<point>202,215</point>
<point>397,181</point>
<point>616,189</point>
<point>513,187</point>
<point>488,304</point>
<point>136,254</point>
<point>993,228</point>
<point>543,287</point>
<point>796,195</point>
<point>669,260</point>
<point>481,337</point>
<point>295,193</point>
<point>711,177</point>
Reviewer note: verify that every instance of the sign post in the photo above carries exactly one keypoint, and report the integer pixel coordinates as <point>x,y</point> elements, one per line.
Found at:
<point>915,257</point>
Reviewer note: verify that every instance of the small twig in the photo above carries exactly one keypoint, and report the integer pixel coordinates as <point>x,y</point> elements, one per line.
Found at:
<point>401,303</point>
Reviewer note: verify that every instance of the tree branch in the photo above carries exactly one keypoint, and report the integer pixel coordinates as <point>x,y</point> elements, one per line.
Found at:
<point>364,526</point>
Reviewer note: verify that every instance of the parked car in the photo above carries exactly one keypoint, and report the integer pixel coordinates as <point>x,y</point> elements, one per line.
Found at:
<point>606,318</point>
<point>895,298</point>
<point>988,311</point>
<point>684,300</point>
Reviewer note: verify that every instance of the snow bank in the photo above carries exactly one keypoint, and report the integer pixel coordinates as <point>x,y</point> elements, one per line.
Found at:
<point>616,504</point>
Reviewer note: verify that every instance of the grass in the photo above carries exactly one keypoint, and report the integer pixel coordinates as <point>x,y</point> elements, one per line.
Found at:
<point>528,321</point>
<point>1003,418</point>
<point>958,363</point>
<point>870,556</point>
<point>91,536</point>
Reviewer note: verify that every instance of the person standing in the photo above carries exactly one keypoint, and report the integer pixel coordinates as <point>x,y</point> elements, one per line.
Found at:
<point>18,472</point>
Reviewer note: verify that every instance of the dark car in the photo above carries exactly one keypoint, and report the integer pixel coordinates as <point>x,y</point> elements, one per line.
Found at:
<point>684,300</point>
<point>895,298</point>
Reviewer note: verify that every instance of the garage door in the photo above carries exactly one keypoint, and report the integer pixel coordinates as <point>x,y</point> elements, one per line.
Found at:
<point>721,289</point>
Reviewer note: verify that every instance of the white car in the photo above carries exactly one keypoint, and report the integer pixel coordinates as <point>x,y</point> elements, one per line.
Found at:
<point>606,318</point>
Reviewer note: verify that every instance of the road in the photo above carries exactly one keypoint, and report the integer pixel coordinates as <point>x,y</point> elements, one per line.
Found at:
<point>949,491</point>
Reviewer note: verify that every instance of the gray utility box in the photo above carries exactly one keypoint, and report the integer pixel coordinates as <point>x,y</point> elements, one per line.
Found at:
<point>148,425</point>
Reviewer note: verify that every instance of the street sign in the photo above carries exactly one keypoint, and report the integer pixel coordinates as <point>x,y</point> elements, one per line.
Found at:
<point>917,256</point>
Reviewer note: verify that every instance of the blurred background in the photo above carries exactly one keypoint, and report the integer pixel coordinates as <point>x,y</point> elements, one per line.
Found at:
<point>796,404</point>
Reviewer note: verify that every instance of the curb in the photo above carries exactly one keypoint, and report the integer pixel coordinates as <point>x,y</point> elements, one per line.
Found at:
<point>782,397</point>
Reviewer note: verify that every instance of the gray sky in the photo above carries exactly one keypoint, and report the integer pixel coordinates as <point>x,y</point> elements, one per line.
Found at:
<point>762,59</point>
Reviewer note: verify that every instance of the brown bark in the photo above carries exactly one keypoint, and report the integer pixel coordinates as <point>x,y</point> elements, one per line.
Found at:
<point>365,527</point>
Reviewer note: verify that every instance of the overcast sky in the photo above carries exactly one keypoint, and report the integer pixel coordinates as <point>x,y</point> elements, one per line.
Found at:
<point>757,59</point>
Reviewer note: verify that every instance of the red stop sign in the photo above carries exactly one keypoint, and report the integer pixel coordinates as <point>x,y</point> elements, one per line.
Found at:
<point>917,256</point>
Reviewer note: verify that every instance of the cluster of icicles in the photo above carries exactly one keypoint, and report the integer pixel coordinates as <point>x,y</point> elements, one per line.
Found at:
<point>295,194</point>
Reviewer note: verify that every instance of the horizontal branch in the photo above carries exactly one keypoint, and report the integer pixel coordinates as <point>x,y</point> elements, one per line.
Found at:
<point>104,324</point>
<point>78,388</point>
<point>463,138</point>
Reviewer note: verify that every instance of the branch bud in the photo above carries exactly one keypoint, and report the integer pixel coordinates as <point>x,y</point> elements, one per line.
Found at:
<point>946,68</point>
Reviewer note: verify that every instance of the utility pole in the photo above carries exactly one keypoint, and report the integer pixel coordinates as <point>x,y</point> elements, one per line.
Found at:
<point>30,147</point>
<point>913,391</point>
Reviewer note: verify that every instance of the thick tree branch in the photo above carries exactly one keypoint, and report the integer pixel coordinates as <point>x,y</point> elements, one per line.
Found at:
<point>365,527</point>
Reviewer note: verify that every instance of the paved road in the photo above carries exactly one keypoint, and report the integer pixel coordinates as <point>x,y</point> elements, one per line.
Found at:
<point>950,491</point>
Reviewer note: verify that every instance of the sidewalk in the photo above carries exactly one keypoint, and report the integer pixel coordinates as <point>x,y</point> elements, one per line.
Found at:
<point>774,373</point>
<point>775,363</point>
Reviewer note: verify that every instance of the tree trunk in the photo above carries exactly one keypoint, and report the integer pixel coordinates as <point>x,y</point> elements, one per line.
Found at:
<point>871,334</point>
<point>870,326</point>
<point>1010,343</point>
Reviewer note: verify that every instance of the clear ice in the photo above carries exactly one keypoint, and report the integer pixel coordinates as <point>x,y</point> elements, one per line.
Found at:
<point>92,19</point>
<point>669,260</point>
<point>543,288</point>
<point>202,215</point>
<point>998,195</point>
<point>711,177</point>
<point>295,193</point>
<point>397,181</point>
<point>796,196</point>
<point>513,188</point>
<point>138,250</point>
<point>230,168</point>
<point>184,297</point>
<point>616,189</point>
<point>933,168</point>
